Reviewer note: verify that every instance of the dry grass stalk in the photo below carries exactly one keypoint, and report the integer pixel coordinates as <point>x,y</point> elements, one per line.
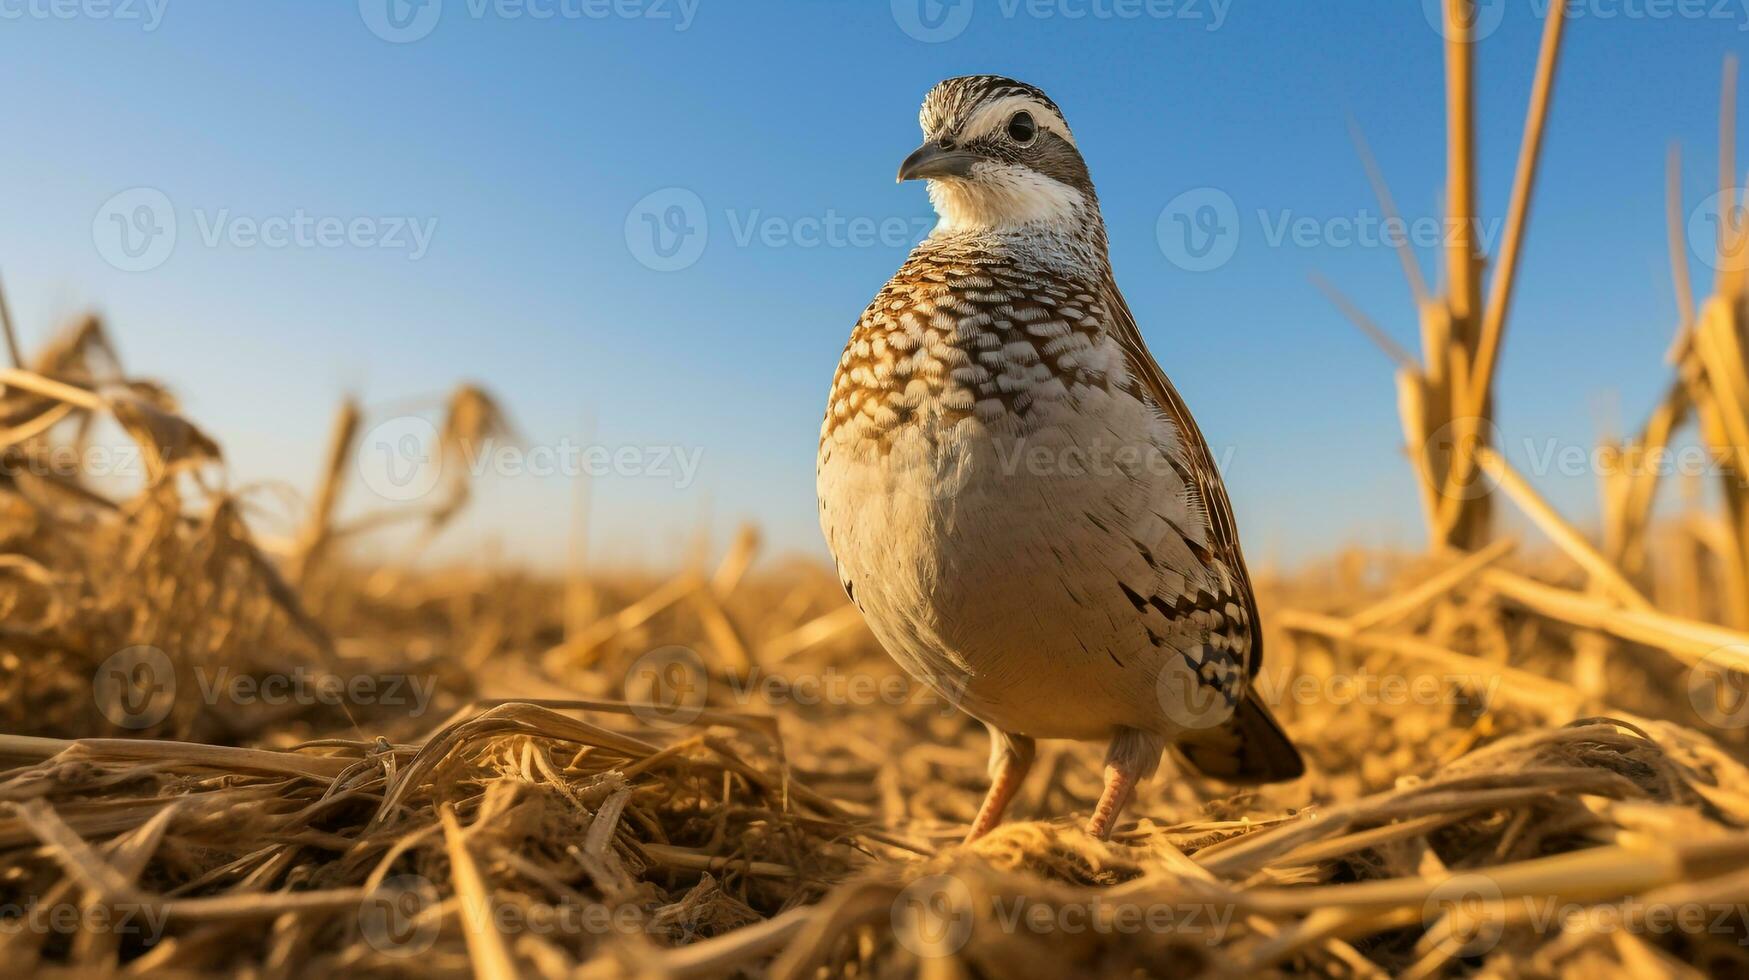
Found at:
<point>13,351</point>
<point>318,530</point>
<point>486,948</point>
<point>1709,349</point>
<point>1446,403</point>
<point>1570,540</point>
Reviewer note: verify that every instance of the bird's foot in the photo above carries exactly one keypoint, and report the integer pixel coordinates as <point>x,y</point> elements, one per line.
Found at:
<point>1133,757</point>
<point>1010,757</point>
<point>1119,784</point>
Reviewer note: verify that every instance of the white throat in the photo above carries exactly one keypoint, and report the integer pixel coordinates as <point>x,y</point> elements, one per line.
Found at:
<point>1002,198</point>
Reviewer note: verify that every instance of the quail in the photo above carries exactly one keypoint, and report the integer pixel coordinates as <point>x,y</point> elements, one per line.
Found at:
<point>1017,498</point>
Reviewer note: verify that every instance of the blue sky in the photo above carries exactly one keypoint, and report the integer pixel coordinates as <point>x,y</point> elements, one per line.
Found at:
<point>469,198</point>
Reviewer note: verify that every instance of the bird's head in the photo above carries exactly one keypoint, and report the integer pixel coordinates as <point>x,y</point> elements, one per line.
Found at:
<point>999,157</point>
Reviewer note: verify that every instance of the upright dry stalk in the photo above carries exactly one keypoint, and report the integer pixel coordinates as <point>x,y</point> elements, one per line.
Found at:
<point>1710,359</point>
<point>12,349</point>
<point>580,595</point>
<point>1447,401</point>
<point>1464,513</point>
<point>1462,257</point>
<point>318,531</point>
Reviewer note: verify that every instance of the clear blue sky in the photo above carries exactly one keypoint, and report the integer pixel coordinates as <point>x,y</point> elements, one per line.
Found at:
<point>524,145</point>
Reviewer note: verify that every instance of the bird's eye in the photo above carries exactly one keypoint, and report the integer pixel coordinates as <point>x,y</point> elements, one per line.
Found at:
<point>1021,129</point>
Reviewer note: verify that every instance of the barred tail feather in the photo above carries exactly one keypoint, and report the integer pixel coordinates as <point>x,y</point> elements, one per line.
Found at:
<point>1248,749</point>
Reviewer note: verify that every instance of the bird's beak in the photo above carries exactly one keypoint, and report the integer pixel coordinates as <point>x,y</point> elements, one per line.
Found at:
<point>935,161</point>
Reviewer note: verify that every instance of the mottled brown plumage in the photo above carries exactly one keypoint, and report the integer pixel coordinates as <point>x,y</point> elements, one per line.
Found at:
<point>1018,500</point>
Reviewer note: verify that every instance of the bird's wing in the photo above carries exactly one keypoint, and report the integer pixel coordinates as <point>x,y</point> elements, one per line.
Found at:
<point>1205,476</point>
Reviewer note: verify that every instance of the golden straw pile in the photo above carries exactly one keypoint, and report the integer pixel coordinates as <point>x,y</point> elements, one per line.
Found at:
<point>229,750</point>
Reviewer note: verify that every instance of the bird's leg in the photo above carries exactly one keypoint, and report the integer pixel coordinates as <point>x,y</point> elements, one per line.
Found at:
<point>1119,783</point>
<point>1010,757</point>
<point>1133,757</point>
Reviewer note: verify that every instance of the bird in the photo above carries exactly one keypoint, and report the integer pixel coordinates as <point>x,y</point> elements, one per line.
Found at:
<point>1017,499</point>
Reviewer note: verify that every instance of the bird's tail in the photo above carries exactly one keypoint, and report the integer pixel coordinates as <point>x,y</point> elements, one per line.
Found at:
<point>1247,749</point>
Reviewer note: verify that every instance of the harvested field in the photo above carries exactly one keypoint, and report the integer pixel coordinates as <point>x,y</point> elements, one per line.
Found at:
<point>473,770</point>
<point>783,799</point>
<point>230,751</point>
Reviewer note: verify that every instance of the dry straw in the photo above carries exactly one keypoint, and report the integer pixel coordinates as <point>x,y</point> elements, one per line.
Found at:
<point>717,772</point>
